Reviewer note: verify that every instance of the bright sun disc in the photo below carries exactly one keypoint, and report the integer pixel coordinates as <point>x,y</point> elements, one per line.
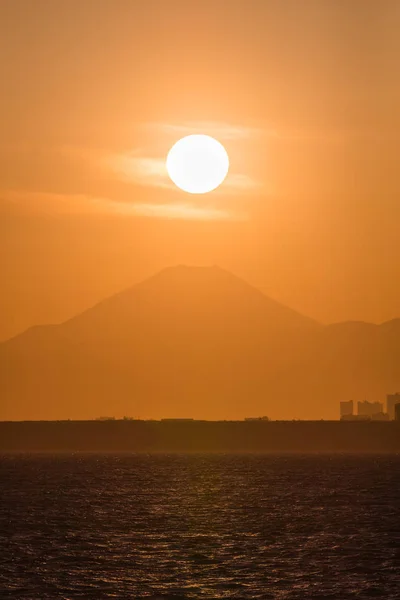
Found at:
<point>197,164</point>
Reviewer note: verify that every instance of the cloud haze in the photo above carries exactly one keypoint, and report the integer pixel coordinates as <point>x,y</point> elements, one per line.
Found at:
<point>221,131</point>
<point>28,203</point>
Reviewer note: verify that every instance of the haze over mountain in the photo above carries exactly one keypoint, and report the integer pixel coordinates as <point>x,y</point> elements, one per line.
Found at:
<point>195,342</point>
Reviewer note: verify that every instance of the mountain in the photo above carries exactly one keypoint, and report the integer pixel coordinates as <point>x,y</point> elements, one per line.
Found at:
<point>195,342</point>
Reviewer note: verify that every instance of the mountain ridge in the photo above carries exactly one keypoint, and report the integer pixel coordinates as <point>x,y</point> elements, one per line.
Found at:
<point>196,337</point>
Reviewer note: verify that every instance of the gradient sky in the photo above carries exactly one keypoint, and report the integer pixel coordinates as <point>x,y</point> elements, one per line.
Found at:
<point>305,96</point>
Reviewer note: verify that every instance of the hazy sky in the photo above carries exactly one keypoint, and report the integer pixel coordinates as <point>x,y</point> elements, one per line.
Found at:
<point>305,96</point>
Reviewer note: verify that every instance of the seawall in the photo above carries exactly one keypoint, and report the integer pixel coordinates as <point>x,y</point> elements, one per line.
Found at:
<point>199,436</point>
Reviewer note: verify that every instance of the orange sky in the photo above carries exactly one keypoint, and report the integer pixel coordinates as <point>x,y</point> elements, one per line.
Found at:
<point>304,95</point>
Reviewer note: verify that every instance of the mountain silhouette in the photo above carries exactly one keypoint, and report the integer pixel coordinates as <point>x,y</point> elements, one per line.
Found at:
<point>196,342</point>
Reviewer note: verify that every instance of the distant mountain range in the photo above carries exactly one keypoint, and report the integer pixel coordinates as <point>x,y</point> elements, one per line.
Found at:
<point>195,342</point>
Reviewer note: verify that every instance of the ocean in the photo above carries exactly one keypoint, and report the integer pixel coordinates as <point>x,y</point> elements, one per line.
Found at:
<point>99,526</point>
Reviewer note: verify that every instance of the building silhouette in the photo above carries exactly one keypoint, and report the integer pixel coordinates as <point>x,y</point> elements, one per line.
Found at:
<point>380,416</point>
<point>369,408</point>
<point>397,412</point>
<point>366,411</point>
<point>346,409</point>
<point>355,418</point>
<point>391,401</point>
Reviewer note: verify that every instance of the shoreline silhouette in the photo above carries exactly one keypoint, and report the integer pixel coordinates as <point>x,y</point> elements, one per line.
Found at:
<point>185,436</point>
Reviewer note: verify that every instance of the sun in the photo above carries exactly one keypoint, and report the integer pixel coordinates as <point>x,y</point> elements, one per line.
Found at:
<point>197,164</point>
